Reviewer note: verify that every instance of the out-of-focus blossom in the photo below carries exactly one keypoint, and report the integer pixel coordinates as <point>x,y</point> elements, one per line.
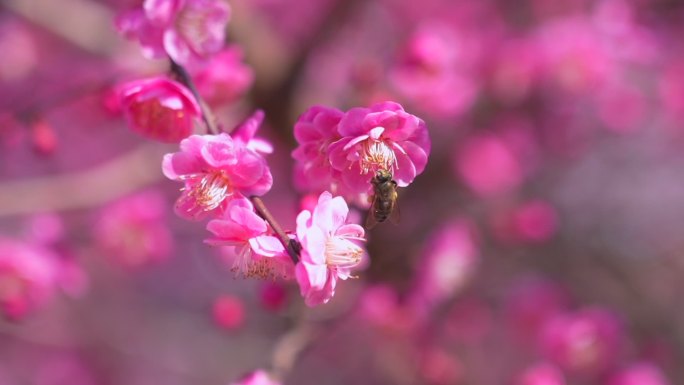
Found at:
<point>258,377</point>
<point>531,303</point>
<point>224,78</point>
<point>186,30</point>
<point>639,374</point>
<point>330,248</point>
<point>256,253</point>
<point>229,312</point>
<point>214,170</point>
<point>29,276</point>
<point>621,107</point>
<point>515,69</point>
<point>315,131</point>
<point>671,88</point>
<point>437,367</point>
<point>273,296</point>
<point>541,374</point>
<point>587,341</point>
<point>67,368</point>
<point>433,72</point>
<point>532,221</point>
<point>21,54</point>
<point>574,57</point>
<point>447,264</point>
<point>133,231</point>
<point>380,305</point>
<point>159,108</point>
<point>45,229</point>
<point>43,137</point>
<point>488,165</point>
<point>381,137</point>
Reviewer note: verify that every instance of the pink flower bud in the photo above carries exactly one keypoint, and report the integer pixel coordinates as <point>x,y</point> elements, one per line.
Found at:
<point>229,312</point>
<point>159,108</point>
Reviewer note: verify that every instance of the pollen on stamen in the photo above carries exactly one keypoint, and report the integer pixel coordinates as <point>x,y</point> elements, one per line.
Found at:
<point>341,252</point>
<point>377,155</point>
<point>211,190</point>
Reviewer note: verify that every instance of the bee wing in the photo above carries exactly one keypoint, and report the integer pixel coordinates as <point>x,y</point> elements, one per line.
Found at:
<point>370,217</point>
<point>395,215</point>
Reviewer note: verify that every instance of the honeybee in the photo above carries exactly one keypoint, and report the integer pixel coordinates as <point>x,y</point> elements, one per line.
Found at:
<point>384,200</point>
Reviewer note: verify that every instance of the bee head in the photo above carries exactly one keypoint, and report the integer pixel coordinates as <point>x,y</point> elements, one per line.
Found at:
<point>383,176</point>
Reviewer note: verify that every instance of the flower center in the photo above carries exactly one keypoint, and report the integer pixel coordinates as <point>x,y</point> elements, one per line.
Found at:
<point>376,155</point>
<point>211,190</point>
<point>341,252</point>
<point>249,265</point>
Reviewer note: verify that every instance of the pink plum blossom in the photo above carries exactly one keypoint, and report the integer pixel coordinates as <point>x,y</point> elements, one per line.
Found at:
<point>245,132</point>
<point>224,78</point>
<point>642,373</point>
<point>159,108</point>
<point>185,30</point>
<point>587,341</point>
<point>533,221</point>
<point>29,276</point>
<point>256,253</point>
<point>329,248</point>
<point>215,169</point>
<point>258,377</point>
<point>133,231</point>
<point>315,131</point>
<point>383,136</point>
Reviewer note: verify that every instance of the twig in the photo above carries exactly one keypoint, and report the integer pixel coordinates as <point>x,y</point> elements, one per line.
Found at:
<point>207,115</point>
<point>291,245</point>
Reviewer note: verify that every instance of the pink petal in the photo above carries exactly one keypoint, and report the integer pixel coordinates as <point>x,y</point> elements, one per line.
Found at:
<point>267,246</point>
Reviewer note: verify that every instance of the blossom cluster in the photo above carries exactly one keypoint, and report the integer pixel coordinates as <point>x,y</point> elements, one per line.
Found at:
<point>342,151</point>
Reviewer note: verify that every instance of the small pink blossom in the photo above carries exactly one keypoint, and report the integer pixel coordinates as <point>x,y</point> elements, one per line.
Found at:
<point>224,78</point>
<point>229,312</point>
<point>383,136</point>
<point>532,221</point>
<point>541,374</point>
<point>315,131</point>
<point>586,342</point>
<point>29,276</point>
<point>258,377</point>
<point>438,367</point>
<point>159,108</point>
<point>256,253</point>
<point>186,30</point>
<point>214,170</point>
<point>639,374</point>
<point>133,231</point>
<point>329,248</point>
<point>273,296</point>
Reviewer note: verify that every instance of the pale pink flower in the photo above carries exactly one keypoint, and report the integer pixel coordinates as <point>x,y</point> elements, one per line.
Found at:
<point>642,373</point>
<point>330,248</point>
<point>315,131</point>
<point>29,276</point>
<point>541,374</point>
<point>133,231</point>
<point>256,253</point>
<point>447,263</point>
<point>587,341</point>
<point>383,136</point>
<point>258,377</point>
<point>186,30</point>
<point>214,170</point>
<point>224,78</point>
<point>159,108</point>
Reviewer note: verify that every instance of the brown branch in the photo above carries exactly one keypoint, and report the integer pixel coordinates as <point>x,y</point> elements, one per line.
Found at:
<point>207,115</point>
<point>292,246</point>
